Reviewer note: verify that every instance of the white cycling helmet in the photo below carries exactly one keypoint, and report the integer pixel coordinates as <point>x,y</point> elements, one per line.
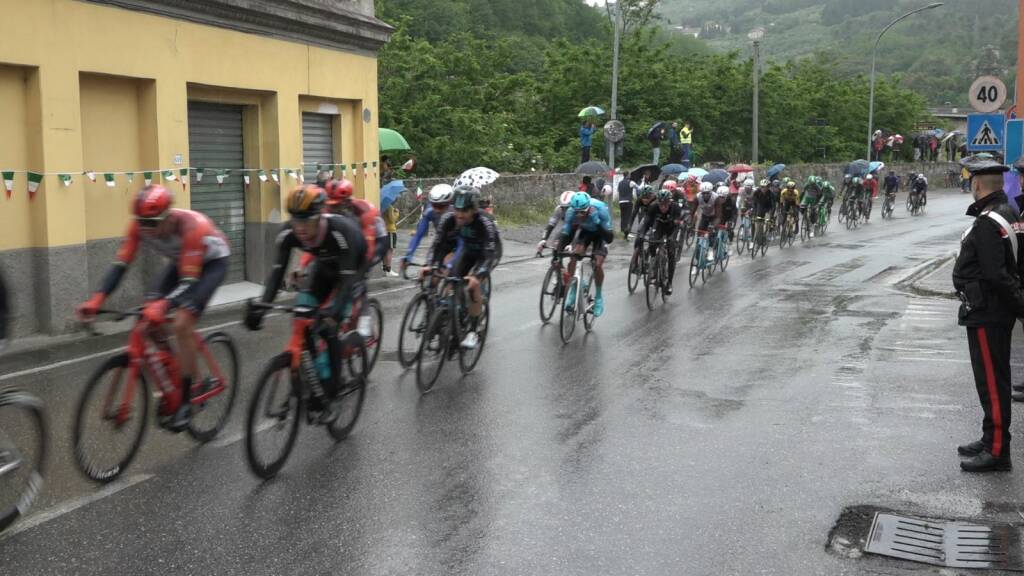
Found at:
<point>707,187</point>
<point>565,198</point>
<point>442,194</point>
<point>749,182</point>
<point>869,177</point>
<point>723,190</point>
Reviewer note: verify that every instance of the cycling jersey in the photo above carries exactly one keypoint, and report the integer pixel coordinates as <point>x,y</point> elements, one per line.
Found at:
<point>762,202</point>
<point>810,196</point>
<point>746,195</point>
<point>728,209</point>
<point>557,216</point>
<point>789,195</point>
<point>706,204</point>
<point>193,242</point>
<point>663,222</point>
<point>340,261</point>
<point>373,228</point>
<point>430,216</point>
<point>597,219</point>
<point>479,242</point>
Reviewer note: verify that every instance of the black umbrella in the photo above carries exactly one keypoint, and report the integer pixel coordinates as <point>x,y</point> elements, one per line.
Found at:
<point>857,168</point>
<point>638,173</point>
<point>592,168</point>
<point>655,131</point>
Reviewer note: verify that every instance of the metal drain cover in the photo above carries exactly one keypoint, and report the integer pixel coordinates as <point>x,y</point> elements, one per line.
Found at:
<point>952,544</point>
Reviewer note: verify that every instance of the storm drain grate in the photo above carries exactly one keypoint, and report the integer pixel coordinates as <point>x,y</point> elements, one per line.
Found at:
<point>952,544</point>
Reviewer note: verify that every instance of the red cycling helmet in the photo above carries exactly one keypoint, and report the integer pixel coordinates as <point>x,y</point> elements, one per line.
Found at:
<point>152,202</point>
<point>338,191</point>
<point>670,185</point>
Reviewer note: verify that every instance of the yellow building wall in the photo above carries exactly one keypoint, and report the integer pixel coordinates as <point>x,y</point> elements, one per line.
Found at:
<point>66,38</point>
<point>15,214</point>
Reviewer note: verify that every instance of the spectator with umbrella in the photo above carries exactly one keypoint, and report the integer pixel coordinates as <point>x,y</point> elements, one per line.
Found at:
<point>655,135</point>
<point>586,139</point>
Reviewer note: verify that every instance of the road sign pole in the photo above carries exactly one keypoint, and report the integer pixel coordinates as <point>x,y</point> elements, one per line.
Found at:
<point>1020,54</point>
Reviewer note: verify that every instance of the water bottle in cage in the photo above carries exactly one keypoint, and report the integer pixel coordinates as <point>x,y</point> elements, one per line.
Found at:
<point>309,372</point>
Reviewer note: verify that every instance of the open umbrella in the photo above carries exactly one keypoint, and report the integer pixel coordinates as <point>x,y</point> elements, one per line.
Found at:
<point>952,134</point>
<point>673,169</point>
<point>591,111</point>
<point>592,168</point>
<point>875,166</point>
<point>775,170</point>
<point>476,177</point>
<point>390,192</point>
<point>653,130</point>
<point>391,140</point>
<point>638,173</point>
<point>857,168</point>
<point>700,173</point>
<point>716,176</point>
<point>739,168</point>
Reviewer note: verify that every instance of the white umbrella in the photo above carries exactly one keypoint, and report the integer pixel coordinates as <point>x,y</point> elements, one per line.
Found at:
<point>476,177</point>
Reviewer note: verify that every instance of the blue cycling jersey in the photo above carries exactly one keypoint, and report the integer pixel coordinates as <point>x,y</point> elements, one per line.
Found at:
<point>597,219</point>
<point>429,217</point>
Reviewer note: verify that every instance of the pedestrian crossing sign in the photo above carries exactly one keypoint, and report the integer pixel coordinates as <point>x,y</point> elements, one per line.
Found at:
<point>985,132</point>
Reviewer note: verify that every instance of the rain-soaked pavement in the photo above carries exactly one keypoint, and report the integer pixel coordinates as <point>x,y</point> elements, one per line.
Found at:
<point>723,433</point>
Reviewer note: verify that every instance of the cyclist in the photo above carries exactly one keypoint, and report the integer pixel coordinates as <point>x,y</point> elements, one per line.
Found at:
<point>847,185</point>
<point>664,217</point>
<point>198,254</point>
<point>643,203</point>
<point>728,208</point>
<point>690,187</point>
<point>857,191</point>
<point>920,186</point>
<point>339,249</point>
<point>591,219</point>
<point>810,198</point>
<point>762,204</point>
<point>746,196</point>
<point>707,210</point>
<point>479,248</point>
<point>828,195</point>
<point>558,216</point>
<point>789,199</point>
<point>892,184</point>
<point>340,201</point>
<point>870,191</point>
<point>440,199</point>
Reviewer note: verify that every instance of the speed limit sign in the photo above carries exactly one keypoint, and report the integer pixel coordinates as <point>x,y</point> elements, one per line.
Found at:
<point>987,94</point>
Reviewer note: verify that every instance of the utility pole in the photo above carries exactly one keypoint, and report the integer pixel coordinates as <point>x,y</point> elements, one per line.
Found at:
<point>616,25</point>
<point>1020,59</point>
<point>757,35</point>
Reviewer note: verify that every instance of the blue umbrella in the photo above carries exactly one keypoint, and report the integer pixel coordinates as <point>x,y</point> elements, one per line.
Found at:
<point>775,170</point>
<point>857,168</point>
<point>875,166</point>
<point>698,172</point>
<point>717,176</point>
<point>673,169</point>
<point>390,192</point>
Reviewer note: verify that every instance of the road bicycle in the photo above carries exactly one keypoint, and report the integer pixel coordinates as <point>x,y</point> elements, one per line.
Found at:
<point>449,324</point>
<point>115,402</point>
<point>853,212</point>
<point>807,222</point>
<point>824,217</point>
<point>788,233</point>
<point>914,203</point>
<point>639,264</point>
<point>657,279</point>
<point>23,451</point>
<point>759,243</point>
<point>292,385</point>
<point>552,291</point>
<point>744,234</point>
<point>414,321</point>
<point>684,233</point>
<point>700,265</point>
<point>581,306</point>
<point>888,205</point>
<point>722,247</point>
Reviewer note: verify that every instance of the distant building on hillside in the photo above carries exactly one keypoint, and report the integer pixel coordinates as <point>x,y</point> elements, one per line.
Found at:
<point>688,31</point>
<point>713,29</point>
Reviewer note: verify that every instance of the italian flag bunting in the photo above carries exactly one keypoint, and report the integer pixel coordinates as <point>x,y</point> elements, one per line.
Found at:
<point>222,175</point>
<point>199,174</point>
<point>261,175</point>
<point>130,176</point>
<point>34,179</point>
<point>109,179</point>
<point>246,178</point>
<point>275,177</point>
<point>65,179</point>
<point>9,183</point>
<point>169,175</point>
<point>91,176</point>
<point>147,178</point>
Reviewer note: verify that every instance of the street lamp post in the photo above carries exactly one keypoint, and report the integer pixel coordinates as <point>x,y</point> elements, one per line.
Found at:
<point>615,82</point>
<point>756,35</point>
<point>874,53</point>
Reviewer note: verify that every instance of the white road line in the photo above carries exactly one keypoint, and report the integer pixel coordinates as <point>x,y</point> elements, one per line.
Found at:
<point>231,439</point>
<point>74,504</point>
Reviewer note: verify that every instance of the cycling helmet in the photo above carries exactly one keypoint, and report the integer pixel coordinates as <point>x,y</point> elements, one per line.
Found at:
<point>306,202</point>
<point>856,181</point>
<point>646,190</point>
<point>581,201</point>
<point>847,177</point>
<point>748,183</point>
<point>790,184</point>
<point>670,185</point>
<point>441,194</point>
<point>152,202</point>
<point>707,187</point>
<point>765,182</point>
<point>723,190</point>
<point>664,195</point>
<point>869,177</point>
<point>565,198</point>
<point>467,197</point>
<point>339,191</point>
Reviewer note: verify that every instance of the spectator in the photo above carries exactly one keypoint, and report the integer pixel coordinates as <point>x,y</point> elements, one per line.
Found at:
<point>387,173</point>
<point>655,137</point>
<point>627,188</point>
<point>586,140</point>
<point>933,148</point>
<point>686,141</point>
<point>587,185</point>
<point>390,217</point>
<point>918,147</point>
<point>675,154</point>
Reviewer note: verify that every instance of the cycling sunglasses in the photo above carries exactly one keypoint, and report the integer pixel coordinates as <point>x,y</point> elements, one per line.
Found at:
<point>150,223</point>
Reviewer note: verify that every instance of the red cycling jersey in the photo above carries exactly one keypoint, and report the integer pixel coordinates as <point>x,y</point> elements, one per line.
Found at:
<point>368,217</point>
<point>194,240</point>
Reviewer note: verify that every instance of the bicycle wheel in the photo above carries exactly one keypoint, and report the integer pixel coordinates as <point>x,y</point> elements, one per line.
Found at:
<point>567,320</point>
<point>550,294</point>
<point>741,240</point>
<point>414,324</point>
<point>274,412</point>
<point>587,298</point>
<point>723,260</point>
<point>219,377</point>
<point>120,414</point>
<point>433,350</point>
<point>635,270</point>
<point>376,333</point>
<point>663,272</point>
<point>651,284</point>
<point>468,358</point>
<point>695,262</point>
<point>22,454</point>
<point>688,238</point>
<point>349,401</point>
<point>764,248</point>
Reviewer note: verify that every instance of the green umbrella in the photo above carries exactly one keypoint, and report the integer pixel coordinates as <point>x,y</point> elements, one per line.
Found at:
<point>590,111</point>
<point>392,141</point>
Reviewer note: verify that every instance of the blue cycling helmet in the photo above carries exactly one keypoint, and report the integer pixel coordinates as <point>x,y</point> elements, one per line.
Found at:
<point>580,201</point>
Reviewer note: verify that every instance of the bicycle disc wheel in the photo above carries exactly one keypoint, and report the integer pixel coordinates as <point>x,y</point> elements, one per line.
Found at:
<point>550,293</point>
<point>372,343</point>
<point>414,324</point>
<point>22,454</point>
<point>567,320</point>
<point>209,416</point>
<point>114,418</point>
<point>272,424</point>
<point>635,269</point>
<point>694,271</point>
<point>349,401</point>
<point>433,350</point>
<point>468,358</point>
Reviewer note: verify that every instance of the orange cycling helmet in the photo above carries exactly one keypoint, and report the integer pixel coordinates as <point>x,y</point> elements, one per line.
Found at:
<point>339,191</point>
<point>306,202</point>
<point>152,202</point>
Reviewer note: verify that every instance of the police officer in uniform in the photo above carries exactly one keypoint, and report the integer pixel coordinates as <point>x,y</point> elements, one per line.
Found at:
<point>985,278</point>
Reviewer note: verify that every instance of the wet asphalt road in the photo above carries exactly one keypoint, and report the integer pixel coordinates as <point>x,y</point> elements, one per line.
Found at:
<point>722,433</point>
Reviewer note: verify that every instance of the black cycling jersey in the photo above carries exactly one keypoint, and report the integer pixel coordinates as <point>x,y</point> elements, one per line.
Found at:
<point>762,201</point>
<point>665,222</point>
<point>479,236</point>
